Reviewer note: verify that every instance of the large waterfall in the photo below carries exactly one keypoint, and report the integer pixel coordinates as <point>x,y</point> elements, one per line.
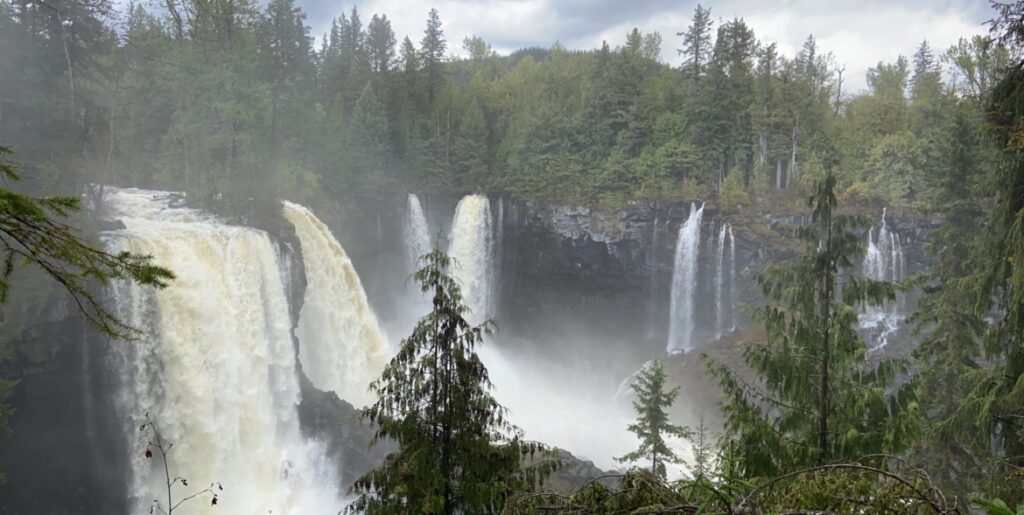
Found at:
<point>883,261</point>
<point>341,346</point>
<point>417,238</point>
<point>214,365</point>
<point>684,283</point>
<point>470,248</point>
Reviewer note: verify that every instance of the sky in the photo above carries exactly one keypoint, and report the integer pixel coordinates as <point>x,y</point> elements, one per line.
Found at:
<point>859,33</point>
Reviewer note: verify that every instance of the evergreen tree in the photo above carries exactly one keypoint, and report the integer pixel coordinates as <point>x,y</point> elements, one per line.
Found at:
<point>469,151</point>
<point>697,42</point>
<point>457,453</point>
<point>432,49</point>
<point>814,400</point>
<point>652,425</point>
<point>380,43</point>
<point>947,315</point>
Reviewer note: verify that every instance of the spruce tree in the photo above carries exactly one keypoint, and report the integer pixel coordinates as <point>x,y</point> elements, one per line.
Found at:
<point>813,398</point>
<point>432,49</point>
<point>652,425</point>
<point>457,452</point>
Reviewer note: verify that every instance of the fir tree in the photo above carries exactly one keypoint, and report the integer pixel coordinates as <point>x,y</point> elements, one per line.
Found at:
<point>652,425</point>
<point>457,453</point>
<point>432,54</point>
<point>814,399</point>
<point>697,42</point>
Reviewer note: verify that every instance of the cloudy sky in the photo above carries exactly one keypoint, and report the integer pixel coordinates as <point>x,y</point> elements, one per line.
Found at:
<point>858,32</point>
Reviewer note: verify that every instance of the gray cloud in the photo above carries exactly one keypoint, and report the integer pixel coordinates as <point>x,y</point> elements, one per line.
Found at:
<point>860,33</point>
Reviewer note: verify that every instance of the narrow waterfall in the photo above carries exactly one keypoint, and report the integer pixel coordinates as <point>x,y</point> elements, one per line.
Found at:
<point>684,282</point>
<point>883,261</point>
<point>213,366</point>
<point>719,279</point>
<point>417,238</point>
<point>341,346</point>
<point>732,278</point>
<point>470,247</point>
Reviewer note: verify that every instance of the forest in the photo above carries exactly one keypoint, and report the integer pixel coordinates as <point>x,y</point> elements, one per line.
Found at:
<point>238,108</point>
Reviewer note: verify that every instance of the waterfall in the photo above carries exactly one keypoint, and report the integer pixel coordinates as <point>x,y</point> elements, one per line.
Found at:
<point>883,261</point>
<point>417,238</point>
<point>341,347</point>
<point>684,282</point>
<point>470,248</point>
<point>732,278</point>
<point>719,278</point>
<point>213,366</point>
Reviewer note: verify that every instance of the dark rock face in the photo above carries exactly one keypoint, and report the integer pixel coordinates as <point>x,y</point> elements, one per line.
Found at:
<point>606,278</point>
<point>67,453</point>
<point>325,417</point>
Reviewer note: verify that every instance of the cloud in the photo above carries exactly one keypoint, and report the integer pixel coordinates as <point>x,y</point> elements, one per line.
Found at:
<point>859,33</point>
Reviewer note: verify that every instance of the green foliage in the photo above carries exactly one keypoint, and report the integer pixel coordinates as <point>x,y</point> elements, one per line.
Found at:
<point>652,425</point>
<point>813,398</point>
<point>457,453</point>
<point>998,507</point>
<point>31,234</point>
<point>230,106</point>
<point>731,196</point>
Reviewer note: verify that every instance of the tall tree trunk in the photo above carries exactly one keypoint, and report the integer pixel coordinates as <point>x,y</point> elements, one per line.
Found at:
<point>778,173</point>
<point>796,137</point>
<point>826,304</point>
<point>839,90</point>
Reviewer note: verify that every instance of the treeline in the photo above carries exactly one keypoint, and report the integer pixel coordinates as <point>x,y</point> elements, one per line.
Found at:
<point>230,102</point>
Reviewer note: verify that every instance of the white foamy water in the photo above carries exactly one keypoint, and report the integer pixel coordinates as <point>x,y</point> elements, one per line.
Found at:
<point>341,346</point>
<point>214,365</point>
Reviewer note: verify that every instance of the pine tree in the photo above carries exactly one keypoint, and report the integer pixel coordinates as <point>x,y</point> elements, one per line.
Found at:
<point>814,399</point>
<point>697,42</point>
<point>652,425</point>
<point>457,453</point>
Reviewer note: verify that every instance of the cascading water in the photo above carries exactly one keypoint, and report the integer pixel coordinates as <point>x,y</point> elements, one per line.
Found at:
<point>883,261</point>
<point>531,388</point>
<point>732,278</point>
<point>214,365</point>
<point>719,279</point>
<point>470,248</point>
<point>417,238</point>
<point>684,282</point>
<point>341,346</point>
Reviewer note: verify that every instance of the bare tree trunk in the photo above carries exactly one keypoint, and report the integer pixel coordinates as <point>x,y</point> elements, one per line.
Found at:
<point>793,172</point>
<point>778,173</point>
<point>839,90</point>
<point>179,36</point>
<point>763,140</point>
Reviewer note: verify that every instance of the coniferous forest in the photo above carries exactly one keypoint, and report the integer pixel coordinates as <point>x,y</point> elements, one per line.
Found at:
<point>471,314</point>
